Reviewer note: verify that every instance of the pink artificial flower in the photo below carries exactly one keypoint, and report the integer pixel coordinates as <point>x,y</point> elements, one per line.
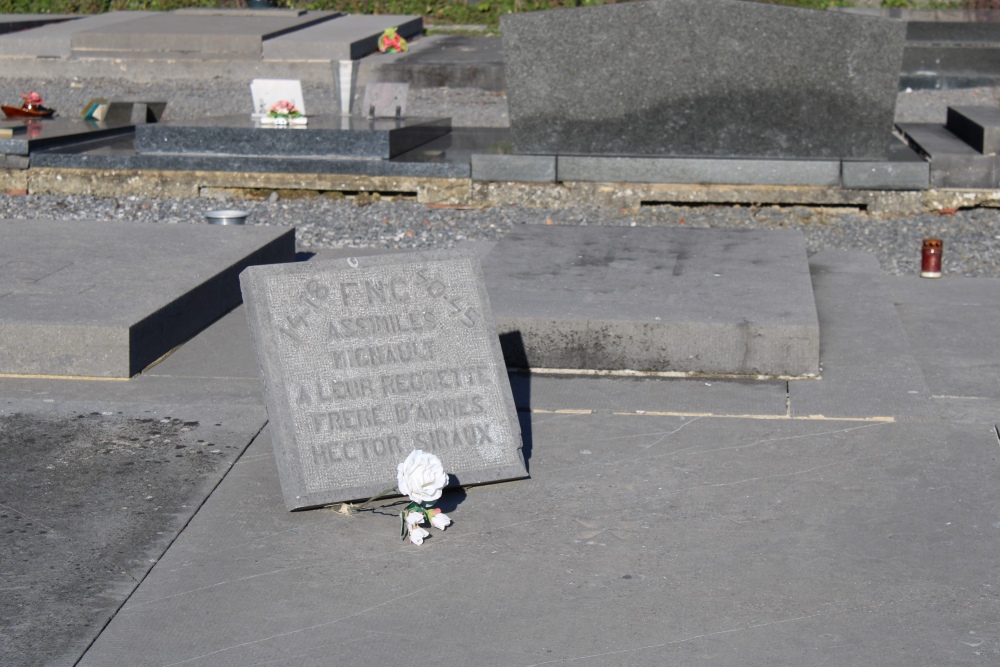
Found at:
<point>32,99</point>
<point>283,107</point>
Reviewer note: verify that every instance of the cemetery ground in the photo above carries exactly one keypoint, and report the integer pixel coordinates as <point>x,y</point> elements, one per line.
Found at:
<point>853,519</point>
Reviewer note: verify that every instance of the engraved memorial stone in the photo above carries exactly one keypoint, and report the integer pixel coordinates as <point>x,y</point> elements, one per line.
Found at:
<point>365,359</point>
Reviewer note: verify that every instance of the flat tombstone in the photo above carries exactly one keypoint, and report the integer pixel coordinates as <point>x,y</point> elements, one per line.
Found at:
<point>365,359</point>
<point>266,92</point>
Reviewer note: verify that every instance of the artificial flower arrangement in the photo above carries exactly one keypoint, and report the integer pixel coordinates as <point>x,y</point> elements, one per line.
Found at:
<point>284,112</point>
<point>391,42</point>
<point>422,478</point>
<point>32,106</point>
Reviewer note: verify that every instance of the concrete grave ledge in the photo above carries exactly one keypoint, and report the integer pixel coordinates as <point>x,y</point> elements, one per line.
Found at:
<point>455,191</point>
<point>106,299</point>
<point>729,302</point>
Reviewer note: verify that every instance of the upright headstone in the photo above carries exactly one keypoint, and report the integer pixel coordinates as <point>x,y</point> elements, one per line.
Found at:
<point>266,92</point>
<point>723,78</point>
<point>365,359</point>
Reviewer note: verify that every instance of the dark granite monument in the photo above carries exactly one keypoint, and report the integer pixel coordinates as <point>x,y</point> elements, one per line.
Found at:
<point>324,136</point>
<point>367,358</point>
<point>721,78</point>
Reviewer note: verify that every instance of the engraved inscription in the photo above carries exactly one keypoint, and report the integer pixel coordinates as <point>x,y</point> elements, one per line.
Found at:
<point>384,358</point>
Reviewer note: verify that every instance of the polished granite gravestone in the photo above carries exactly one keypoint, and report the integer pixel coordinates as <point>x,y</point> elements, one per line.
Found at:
<point>953,162</point>
<point>720,78</point>
<point>106,299</point>
<point>40,133</point>
<point>977,126</point>
<point>324,136</point>
<point>718,301</point>
<point>345,38</point>
<point>194,32</point>
<point>366,358</point>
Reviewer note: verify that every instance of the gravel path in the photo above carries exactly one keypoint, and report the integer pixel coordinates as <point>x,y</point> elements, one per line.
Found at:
<point>971,237</point>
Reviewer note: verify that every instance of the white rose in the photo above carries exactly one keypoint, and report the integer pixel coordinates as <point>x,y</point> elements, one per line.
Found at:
<point>440,521</point>
<point>421,477</point>
<point>417,535</point>
<point>414,518</point>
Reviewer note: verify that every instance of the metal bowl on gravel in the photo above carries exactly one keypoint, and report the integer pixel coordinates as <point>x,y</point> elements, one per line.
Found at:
<point>227,217</point>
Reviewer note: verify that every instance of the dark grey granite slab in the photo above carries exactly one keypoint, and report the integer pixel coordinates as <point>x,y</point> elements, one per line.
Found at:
<point>232,32</point>
<point>904,170</point>
<point>454,61</point>
<point>655,299</point>
<point>344,38</point>
<point>18,22</point>
<point>97,157</point>
<point>721,78</point>
<point>515,168</point>
<point>604,169</point>
<point>977,126</point>
<point>324,136</point>
<point>58,131</point>
<point>367,358</point>
<point>106,299</point>
<point>954,163</point>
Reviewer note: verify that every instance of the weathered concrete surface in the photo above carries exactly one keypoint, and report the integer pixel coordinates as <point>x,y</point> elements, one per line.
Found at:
<point>655,299</point>
<point>63,313</point>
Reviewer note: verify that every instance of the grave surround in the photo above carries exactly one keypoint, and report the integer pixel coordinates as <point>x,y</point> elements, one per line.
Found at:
<point>324,136</point>
<point>366,358</point>
<point>75,301</point>
<point>731,302</point>
<point>702,78</point>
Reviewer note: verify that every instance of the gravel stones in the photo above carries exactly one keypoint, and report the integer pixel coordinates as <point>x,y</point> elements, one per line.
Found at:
<point>971,237</point>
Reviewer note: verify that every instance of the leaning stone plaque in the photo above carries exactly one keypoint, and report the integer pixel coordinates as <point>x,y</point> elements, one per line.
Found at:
<point>366,359</point>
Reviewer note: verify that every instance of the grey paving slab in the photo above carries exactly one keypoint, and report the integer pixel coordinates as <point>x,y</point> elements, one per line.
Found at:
<point>694,397</point>
<point>89,500</point>
<point>516,168</point>
<point>725,79</point>
<point>54,40</point>
<point>638,541</point>
<point>954,163</point>
<point>702,170</point>
<point>344,38</point>
<point>708,301</point>
<point>867,367</point>
<point>324,136</point>
<point>207,33</point>
<point>904,170</point>
<point>977,126</point>
<point>951,326</point>
<point>111,297</point>
<point>224,350</point>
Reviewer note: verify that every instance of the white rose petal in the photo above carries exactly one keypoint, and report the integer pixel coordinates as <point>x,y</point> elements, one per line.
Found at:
<point>421,477</point>
<point>417,535</point>
<point>440,521</point>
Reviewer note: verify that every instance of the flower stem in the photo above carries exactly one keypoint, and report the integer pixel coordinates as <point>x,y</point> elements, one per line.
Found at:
<point>380,494</point>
